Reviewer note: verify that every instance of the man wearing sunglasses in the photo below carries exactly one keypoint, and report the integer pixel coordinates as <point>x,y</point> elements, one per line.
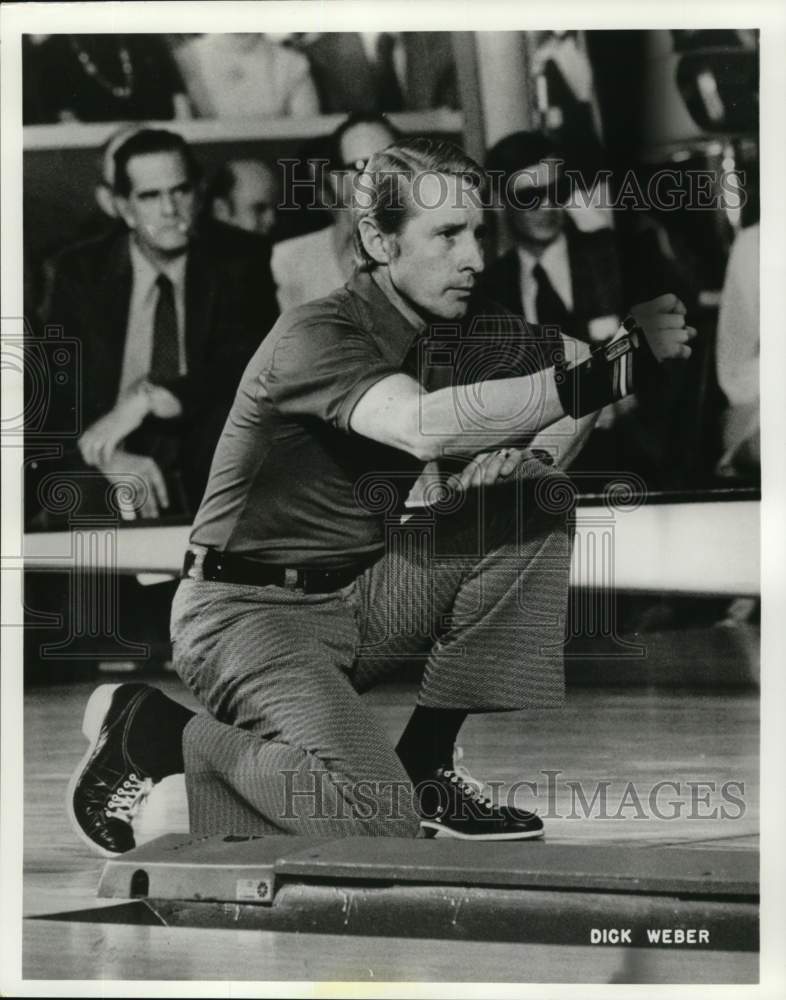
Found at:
<point>563,268</point>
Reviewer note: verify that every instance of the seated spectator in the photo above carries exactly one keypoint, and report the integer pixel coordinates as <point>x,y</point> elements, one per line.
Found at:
<point>166,318</point>
<point>383,70</point>
<point>310,266</point>
<point>737,358</point>
<point>244,193</point>
<point>104,78</point>
<point>556,272</point>
<point>246,76</point>
<point>565,270</point>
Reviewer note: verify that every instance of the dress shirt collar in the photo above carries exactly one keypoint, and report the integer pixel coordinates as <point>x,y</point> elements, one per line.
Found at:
<point>555,261</point>
<point>146,273</point>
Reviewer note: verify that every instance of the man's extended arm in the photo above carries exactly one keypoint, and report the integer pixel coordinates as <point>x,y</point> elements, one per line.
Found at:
<point>486,415</point>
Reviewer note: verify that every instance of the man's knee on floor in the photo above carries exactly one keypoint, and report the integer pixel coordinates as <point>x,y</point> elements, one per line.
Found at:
<point>316,799</point>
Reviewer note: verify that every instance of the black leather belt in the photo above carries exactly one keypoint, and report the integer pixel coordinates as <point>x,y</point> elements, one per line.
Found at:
<point>209,564</point>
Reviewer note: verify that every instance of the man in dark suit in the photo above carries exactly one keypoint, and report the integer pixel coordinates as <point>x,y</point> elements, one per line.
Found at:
<point>383,71</point>
<point>556,273</point>
<point>166,316</point>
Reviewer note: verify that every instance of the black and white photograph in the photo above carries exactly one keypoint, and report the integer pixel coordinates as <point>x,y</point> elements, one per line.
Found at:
<point>393,498</point>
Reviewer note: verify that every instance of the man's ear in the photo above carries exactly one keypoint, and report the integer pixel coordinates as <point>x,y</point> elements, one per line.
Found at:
<point>378,245</point>
<point>220,210</point>
<point>105,200</point>
<point>124,210</point>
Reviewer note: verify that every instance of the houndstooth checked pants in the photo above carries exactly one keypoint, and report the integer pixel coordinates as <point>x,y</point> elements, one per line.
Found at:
<point>287,744</point>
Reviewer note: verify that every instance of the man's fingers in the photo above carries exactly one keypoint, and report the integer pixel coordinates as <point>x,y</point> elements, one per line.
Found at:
<point>149,506</point>
<point>667,321</point>
<point>511,461</point>
<point>158,484</point>
<point>493,468</point>
<point>666,303</point>
<point>479,474</point>
<point>104,452</point>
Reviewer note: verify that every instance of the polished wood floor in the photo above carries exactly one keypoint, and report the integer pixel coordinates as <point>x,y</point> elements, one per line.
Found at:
<point>626,741</point>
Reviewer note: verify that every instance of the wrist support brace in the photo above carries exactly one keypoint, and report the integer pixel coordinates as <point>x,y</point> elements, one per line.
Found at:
<point>611,372</point>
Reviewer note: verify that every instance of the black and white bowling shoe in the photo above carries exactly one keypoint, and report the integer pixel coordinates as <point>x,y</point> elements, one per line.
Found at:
<point>109,786</point>
<point>453,804</point>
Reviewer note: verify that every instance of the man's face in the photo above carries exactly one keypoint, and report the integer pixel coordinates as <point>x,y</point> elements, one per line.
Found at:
<point>438,252</point>
<point>358,145</point>
<point>253,200</point>
<point>535,226</point>
<point>161,204</point>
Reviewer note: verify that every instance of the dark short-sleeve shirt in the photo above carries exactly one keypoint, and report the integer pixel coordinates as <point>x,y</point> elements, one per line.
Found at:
<point>290,484</point>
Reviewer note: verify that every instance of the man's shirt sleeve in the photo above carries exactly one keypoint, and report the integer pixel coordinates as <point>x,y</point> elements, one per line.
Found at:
<point>322,369</point>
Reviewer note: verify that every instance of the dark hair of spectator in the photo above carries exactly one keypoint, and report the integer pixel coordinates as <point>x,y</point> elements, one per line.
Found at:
<point>356,118</point>
<point>385,187</point>
<point>221,185</point>
<point>519,150</point>
<point>145,142</point>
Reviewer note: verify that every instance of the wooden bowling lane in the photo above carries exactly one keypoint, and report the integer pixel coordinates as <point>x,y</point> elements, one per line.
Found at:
<point>630,737</point>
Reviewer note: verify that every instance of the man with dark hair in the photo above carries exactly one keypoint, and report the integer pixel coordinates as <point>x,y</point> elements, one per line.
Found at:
<point>304,585</point>
<point>167,315</point>
<point>244,193</point>
<point>563,267</point>
<point>307,267</point>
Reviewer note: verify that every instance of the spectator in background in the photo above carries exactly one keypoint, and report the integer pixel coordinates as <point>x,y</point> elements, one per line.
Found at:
<point>383,71</point>
<point>166,317</point>
<point>310,266</point>
<point>244,193</point>
<point>563,268</point>
<point>737,359</point>
<point>245,76</point>
<point>104,78</point>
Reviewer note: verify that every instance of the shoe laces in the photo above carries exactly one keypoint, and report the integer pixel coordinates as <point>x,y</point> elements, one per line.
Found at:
<point>471,790</point>
<point>463,774</point>
<point>125,801</point>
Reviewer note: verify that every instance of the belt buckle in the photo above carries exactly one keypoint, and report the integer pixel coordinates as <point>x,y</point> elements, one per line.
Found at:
<point>290,578</point>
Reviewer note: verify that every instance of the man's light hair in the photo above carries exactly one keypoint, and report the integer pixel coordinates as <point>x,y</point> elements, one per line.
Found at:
<point>383,192</point>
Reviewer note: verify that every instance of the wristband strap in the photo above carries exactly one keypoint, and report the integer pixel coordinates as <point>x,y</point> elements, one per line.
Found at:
<point>611,372</point>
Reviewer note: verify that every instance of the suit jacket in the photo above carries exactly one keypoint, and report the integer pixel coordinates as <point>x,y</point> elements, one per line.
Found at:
<point>345,82</point>
<point>230,305</point>
<point>595,274</point>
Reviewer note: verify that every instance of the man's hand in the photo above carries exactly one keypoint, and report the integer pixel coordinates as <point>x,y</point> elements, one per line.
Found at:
<point>99,441</point>
<point>663,323</point>
<point>487,468</point>
<point>141,490</point>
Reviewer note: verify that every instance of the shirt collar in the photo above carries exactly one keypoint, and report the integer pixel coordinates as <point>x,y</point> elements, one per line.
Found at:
<point>146,273</point>
<point>394,334</point>
<point>553,256</point>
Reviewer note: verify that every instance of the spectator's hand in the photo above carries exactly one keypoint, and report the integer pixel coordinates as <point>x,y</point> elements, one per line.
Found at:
<point>570,61</point>
<point>141,489</point>
<point>163,403</point>
<point>99,441</point>
<point>487,468</point>
<point>663,322</point>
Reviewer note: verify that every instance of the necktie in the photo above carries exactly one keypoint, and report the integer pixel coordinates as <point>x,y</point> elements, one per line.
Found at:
<point>549,308</point>
<point>165,359</point>
<point>389,96</point>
